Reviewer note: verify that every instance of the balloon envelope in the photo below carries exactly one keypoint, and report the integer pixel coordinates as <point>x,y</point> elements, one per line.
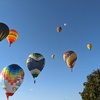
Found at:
<point>4,31</point>
<point>89,46</point>
<point>11,78</point>
<point>53,56</point>
<point>59,29</point>
<point>35,64</point>
<point>65,24</point>
<point>12,37</point>
<point>70,58</point>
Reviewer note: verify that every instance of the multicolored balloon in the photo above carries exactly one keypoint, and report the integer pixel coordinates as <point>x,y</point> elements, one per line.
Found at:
<point>59,29</point>
<point>35,64</point>
<point>12,37</point>
<point>70,58</point>
<point>89,46</point>
<point>52,56</point>
<point>11,79</point>
<point>4,31</point>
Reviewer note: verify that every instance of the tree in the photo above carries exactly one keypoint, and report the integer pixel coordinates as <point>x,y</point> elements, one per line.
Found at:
<point>91,89</point>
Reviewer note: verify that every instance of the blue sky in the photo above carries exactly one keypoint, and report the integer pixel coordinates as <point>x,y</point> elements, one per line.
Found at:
<point>36,22</point>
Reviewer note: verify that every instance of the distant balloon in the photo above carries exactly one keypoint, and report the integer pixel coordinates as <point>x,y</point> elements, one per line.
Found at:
<point>53,56</point>
<point>89,46</point>
<point>59,29</point>
<point>65,24</point>
<point>70,58</point>
<point>35,64</point>
<point>4,31</point>
<point>12,37</point>
<point>11,79</point>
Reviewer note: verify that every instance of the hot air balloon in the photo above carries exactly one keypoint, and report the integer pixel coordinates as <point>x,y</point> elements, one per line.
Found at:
<point>65,24</point>
<point>35,64</point>
<point>11,79</point>
<point>12,37</point>
<point>4,31</point>
<point>52,56</point>
<point>70,58</point>
<point>59,29</point>
<point>89,46</point>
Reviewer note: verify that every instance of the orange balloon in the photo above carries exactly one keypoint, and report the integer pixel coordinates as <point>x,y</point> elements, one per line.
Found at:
<point>12,37</point>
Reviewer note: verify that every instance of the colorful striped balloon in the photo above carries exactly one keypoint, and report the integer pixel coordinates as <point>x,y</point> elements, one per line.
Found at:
<point>35,64</point>
<point>11,78</point>
<point>12,37</point>
<point>70,58</point>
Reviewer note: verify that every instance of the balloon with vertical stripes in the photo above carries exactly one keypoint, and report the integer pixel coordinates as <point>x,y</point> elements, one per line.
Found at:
<point>70,58</point>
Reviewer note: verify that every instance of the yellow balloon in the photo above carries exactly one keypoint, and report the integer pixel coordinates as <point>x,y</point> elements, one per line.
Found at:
<point>89,46</point>
<point>70,58</point>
